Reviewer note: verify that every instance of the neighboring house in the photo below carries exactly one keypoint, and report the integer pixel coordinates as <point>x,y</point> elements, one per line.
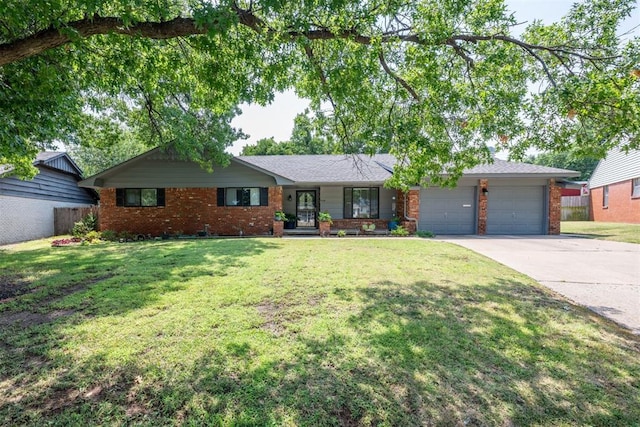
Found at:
<point>157,193</point>
<point>26,206</point>
<point>615,188</point>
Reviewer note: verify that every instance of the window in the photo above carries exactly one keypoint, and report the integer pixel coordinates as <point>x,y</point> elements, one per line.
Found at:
<point>636,187</point>
<point>605,196</point>
<point>243,196</point>
<point>137,197</point>
<point>361,202</point>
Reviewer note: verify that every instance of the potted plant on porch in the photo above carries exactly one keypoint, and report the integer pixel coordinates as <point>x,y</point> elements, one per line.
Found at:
<point>393,223</point>
<point>290,222</point>
<point>324,218</point>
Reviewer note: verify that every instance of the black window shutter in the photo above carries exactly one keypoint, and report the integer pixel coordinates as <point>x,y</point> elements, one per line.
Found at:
<point>348,203</point>
<point>160,196</point>
<point>119,196</point>
<point>375,202</point>
<point>264,196</point>
<point>220,196</point>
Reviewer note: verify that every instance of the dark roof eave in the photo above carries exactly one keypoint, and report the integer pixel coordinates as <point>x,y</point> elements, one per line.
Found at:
<point>520,175</point>
<point>337,183</point>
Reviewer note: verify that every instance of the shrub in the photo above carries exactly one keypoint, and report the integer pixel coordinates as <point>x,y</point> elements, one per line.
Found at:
<point>125,236</point>
<point>425,233</point>
<point>92,236</point>
<point>91,221</point>
<point>280,216</point>
<point>84,226</point>
<point>341,233</point>
<point>80,229</point>
<point>400,231</point>
<point>109,235</point>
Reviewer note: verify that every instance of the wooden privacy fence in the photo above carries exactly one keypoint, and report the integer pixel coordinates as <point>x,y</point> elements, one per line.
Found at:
<point>64,218</point>
<point>575,208</point>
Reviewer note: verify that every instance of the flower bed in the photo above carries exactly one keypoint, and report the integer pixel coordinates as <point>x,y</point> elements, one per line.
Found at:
<point>66,242</point>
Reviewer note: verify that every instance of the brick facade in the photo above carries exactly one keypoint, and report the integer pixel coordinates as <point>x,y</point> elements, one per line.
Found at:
<point>187,211</point>
<point>621,207</point>
<point>555,207</point>
<point>356,223</point>
<point>412,198</point>
<point>483,188</point>
<point>278,228</point>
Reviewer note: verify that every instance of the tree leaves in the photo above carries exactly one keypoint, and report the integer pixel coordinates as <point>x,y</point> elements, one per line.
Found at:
<point>433,82</point>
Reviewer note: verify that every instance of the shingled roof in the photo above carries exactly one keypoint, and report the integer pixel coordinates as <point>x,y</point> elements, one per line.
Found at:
<point>325,168</point>
<point>505,168</point>
<point>378,168</point>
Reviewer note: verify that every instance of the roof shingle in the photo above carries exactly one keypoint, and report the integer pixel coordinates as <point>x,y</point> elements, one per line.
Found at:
<point>377,168</point>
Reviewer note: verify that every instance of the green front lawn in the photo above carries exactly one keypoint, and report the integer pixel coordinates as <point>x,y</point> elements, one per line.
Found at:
<point>299,332</point>
<point>615,231</point>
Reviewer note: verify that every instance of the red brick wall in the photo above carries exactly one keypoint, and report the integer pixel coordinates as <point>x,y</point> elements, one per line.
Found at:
<point>413,204</point>
<point>555,207</point>
<point>413,208</point>
<point>482,206</point>
<point>622,208</point>
<point>187,211</point>
<point>356,223</point>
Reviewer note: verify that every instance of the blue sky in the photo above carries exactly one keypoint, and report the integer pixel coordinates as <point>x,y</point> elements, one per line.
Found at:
<point>276,120</point>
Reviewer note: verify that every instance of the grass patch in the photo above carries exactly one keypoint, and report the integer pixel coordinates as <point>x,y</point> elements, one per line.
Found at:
<point>617,232</point>
<point>300,332</point>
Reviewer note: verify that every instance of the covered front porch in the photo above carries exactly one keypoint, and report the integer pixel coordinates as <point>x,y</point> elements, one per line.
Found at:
<point>350,208</point>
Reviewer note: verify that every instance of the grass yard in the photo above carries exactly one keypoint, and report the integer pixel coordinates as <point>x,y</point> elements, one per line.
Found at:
<point>617,232</point>
<point>299,332</point>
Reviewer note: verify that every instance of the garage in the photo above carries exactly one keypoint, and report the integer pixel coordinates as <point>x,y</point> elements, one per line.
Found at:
<point>516,210</point>
<point>448,210</point>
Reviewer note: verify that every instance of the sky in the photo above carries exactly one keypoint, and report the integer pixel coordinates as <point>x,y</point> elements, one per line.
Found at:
<point>276,120</point>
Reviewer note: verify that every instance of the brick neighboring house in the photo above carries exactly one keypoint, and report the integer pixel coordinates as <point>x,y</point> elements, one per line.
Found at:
<point>157,193</point>
<point>615,188</point>
<point>27,206</point>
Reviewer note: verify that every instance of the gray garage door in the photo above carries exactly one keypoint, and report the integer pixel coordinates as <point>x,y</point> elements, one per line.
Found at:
<point>448,210</point>
<point>515,210</point>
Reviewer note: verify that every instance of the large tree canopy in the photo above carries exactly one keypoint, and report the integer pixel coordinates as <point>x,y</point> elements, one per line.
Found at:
<point>433,81</point>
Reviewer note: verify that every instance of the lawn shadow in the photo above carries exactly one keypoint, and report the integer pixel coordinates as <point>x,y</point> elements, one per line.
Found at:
<point>422,354</point>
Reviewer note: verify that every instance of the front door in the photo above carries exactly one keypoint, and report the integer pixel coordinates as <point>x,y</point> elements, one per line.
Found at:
<point>306,208</point>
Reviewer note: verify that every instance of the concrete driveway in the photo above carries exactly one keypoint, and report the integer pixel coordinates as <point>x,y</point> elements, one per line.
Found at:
<point>601,275</point>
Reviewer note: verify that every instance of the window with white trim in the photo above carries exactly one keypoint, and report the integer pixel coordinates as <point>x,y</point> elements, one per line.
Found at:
<point>636,187</point>
<point>605,196</point>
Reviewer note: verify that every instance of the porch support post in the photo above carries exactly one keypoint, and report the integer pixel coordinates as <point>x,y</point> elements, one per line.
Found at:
<point>555,207</point>
<point>483,201</point>
<point>275,203</point>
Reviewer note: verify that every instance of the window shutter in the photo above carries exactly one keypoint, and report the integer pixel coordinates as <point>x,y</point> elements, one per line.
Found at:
<point>119,196</point>
<point>264,196</point>
<point>348,204</point>
<point>220,196</point>
<point>375,202</point>
<point>160,196</point>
